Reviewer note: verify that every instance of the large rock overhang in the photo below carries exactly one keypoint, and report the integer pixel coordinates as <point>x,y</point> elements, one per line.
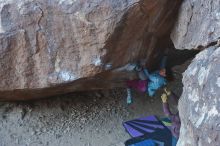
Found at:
<point>55,47</point>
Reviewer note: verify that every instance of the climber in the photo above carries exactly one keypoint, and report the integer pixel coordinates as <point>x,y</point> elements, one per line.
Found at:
<point>175,119</point>
<point>147,82</point>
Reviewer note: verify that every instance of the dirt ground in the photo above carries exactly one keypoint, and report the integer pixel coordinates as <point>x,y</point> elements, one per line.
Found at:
<point>78,119</point>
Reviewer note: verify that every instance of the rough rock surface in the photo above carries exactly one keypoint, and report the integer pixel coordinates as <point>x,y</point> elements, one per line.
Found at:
<point>199,105</point>
<point>49,47</point>
<point>198,24</point>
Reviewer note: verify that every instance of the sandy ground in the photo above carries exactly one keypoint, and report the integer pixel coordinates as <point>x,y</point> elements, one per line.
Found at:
<point>79,119</point>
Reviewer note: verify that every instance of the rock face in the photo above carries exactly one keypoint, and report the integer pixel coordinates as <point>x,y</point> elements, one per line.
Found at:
<point>50,47</point>
<point>198,24</point>
<point>199,105</point>
<point>198,27</point>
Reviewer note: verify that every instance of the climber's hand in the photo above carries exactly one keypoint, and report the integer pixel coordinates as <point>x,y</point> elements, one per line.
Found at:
<point>167,91</point>
<point>164,98</point>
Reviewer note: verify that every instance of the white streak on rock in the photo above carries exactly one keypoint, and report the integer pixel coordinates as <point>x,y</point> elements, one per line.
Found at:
<point>202,75</point>
<point>1,29</point>
<point>127,67</point>
<point>209,140</point>
<point>108,66</point>
<point>67,1</point>
<point>97,61</point>
<point>197,108</point>
<point>194,70</point>
<point>200,120</point>
<point>218,82</point>
<point>57,65</point>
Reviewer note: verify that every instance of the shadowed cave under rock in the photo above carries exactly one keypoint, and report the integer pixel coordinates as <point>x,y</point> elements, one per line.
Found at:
<point>84,118</point>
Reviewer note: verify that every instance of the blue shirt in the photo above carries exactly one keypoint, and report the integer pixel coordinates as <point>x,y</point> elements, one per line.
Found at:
<point>155,82</point>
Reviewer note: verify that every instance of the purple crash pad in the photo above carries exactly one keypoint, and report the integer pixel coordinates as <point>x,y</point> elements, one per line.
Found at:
<point>141,126</point>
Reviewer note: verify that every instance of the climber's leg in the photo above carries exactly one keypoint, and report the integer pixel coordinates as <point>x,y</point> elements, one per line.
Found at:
<point>139,85</point>
<point>129,96</point>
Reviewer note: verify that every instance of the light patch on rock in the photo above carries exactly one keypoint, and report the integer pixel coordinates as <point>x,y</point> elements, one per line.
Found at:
<point>66,76</point>
<point>197,108</point>
<point>200,120</point>
<point>212,91</point>
<point>82,17</point>
<point>217,16</point>
<point>57,65</point>
<point>202,75</point>
<point>213,112</point>
<point>194,96</point>
<point>97,61</point>
<point>185,133</point>
<point>67,1</point>
<point>193,71</point>
<point>108,66</point>
<point>1,29</point>
<point>209,140</point>
<point>127,67</point>
<point>212,29</point>
<point>204,108</point>
<point>218,82</point>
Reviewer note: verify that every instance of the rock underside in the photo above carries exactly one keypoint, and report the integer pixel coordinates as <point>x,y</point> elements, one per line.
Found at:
<point>55,47</point>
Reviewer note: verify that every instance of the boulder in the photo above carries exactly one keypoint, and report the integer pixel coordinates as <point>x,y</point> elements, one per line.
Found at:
<point>51,47</point>
<point>199,105</point>
<point>198,24</point>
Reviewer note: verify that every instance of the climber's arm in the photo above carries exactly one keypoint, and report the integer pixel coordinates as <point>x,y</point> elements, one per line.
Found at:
<point>172,95</point>
<point>149,76</point>
<point>175,97</point>
<point>166,108</point>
